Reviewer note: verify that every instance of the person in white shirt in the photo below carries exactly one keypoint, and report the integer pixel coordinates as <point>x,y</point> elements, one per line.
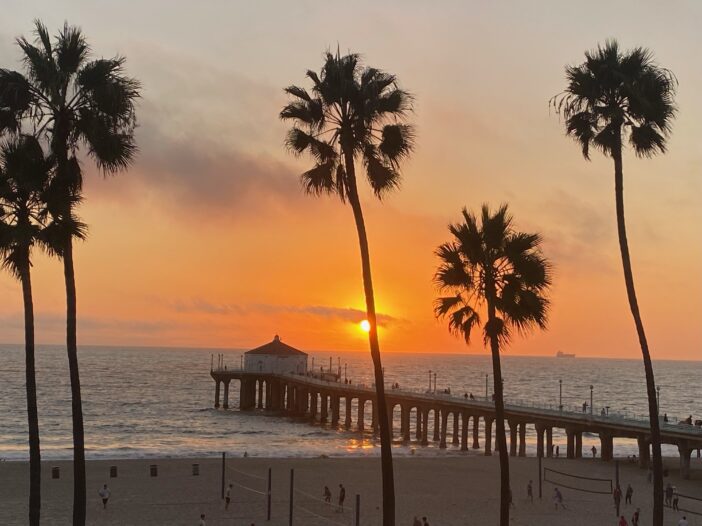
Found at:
<point>104,495</point>
<point>228,497</point>
<point>202,520</point>
<point>683,521</point>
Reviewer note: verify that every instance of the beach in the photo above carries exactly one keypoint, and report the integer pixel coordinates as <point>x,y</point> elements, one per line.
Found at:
<point>459,490</point>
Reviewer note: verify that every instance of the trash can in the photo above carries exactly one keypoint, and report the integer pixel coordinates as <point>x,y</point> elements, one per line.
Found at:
<point>196,470</point>
<point>113,472</point>
<point>153,469</point>
<point>55,472</point>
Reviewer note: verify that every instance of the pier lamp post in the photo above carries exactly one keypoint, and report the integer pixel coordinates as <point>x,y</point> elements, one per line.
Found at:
<point>590,400</point>
<point>434,382</point>
<point>241,362</point>
<point>486,386</point>
<point>429,391</point>
<point>658,397</point>
<point>560,395</point>
<point>345,377</point>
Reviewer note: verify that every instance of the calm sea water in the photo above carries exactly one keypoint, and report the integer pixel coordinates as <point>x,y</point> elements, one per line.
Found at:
<point>147,402</point>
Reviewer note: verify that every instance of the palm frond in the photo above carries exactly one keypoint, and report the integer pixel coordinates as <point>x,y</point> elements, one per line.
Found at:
<point>71,50</point>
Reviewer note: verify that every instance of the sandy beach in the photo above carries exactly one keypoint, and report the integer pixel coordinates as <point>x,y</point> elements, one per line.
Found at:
<point>449,490</point>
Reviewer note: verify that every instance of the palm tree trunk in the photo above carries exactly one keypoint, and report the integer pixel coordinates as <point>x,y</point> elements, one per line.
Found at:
<point>79,489</point>
<point>32,412</point>
<point>657,519</point>
<point>383,417</point>
<point>499,416</point>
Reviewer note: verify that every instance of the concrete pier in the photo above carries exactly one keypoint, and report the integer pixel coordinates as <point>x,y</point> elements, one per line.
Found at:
<point>320,401</point>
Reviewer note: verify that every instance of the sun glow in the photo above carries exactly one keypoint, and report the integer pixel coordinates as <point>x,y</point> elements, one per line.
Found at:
<point>365,326</point>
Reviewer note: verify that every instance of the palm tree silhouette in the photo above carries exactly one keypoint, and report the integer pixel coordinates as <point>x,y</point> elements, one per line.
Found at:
<point>354,113</point>
<point>24,177</point>
<point>73,102</point>
<point>490,268</point>
<point>611,97</point>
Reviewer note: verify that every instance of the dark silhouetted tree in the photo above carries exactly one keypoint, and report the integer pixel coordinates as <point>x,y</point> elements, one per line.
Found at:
<point>490,269</point>
<point>611,98</point>
<point>354,114</point>
<point>75,103</point>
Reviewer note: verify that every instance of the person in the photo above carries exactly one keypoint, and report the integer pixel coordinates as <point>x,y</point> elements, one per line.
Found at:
<point>228,497</point>
<point>603,412</point>
<point>471,396</point>
<point>676,499</point>
<point>665,417</point>
<point>617,494</point>
<point>669,494</point>
<point>557,498</point>
<point>104,495</point>
<point>629,494</point>
<point>342,496</point>
<point>465,396</point>
<point>622,521</point>
<point>688,420</point>
<point>425,522</point>
<point>416,522</point>
<point>635,517</point>
<point>327,494</point>
<point>558,451</point>
<point>202,520</point>
<point>683,521</point>
<point>530,492</point>
<point>584,407</point>
<point>594,451</point>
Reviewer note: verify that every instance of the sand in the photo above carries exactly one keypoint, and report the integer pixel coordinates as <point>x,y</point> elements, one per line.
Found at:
<point>449,490</point>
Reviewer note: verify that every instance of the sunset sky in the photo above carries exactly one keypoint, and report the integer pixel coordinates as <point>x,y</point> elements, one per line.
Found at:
<point>208,240</point>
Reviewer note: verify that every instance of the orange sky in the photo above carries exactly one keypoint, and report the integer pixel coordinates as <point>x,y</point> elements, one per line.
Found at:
<point>208,240</point>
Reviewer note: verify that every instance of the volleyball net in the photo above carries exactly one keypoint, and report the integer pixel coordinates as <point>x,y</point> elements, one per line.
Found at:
<point>561,479</point>
<point>689,504</point>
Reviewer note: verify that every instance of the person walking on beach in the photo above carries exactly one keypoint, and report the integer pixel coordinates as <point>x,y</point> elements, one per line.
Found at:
<point>104,495</point>
<point>622,521</point>
<point>327,494</point>
<point>558,451</point>
<point>629,494</point>
<point>669,494</point>
<point>594,452</point>
<point>425,522</point>
<point>676,499</point>
<point>530,492</point>
<point>342,496</point>
<point>202,520</point>
<point>228,497</point>
<point>683,521</point>
<point>558,498</point>
<point>635,517</point>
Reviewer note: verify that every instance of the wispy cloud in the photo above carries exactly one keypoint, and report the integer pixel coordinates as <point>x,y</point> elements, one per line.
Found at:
<point>348,314</point>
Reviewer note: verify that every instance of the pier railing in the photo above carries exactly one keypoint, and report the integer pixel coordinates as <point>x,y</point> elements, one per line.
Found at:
<point>511,404</point>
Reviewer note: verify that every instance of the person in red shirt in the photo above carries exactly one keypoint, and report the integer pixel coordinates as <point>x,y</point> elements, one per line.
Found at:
<point>622,521</point>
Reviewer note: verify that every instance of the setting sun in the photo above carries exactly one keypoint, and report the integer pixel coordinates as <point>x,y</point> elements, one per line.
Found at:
<point>365,326</point>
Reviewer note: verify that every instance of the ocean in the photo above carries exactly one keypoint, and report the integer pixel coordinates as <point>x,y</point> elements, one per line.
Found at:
<point>158,402</point>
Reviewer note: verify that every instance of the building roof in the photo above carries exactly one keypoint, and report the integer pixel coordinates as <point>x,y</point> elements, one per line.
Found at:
<point>276,347</point>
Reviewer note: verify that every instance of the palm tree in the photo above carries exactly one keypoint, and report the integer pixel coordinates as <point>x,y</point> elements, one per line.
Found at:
<point>24,174</point>
<point>73,102</point>
<point>354,113</point>
<point>489,267</point>
<point>614,96</point>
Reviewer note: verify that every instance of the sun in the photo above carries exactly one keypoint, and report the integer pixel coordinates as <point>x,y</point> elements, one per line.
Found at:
<point>365,326</point>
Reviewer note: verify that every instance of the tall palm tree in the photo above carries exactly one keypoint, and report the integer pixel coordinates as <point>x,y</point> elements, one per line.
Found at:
<point>490,268</point>
<point>74,103</point>
<point>24,176</point>
<point>612,97</point>
<point>354,113</point>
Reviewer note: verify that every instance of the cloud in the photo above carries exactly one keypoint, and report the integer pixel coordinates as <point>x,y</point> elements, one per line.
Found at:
<point>47,322</point>
<point>347,314</point>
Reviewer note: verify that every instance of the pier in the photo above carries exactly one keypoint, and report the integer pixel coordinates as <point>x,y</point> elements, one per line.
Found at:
<point>444,418</point>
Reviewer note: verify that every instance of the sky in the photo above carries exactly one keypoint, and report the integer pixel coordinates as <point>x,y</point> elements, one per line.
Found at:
<point>209,241</point>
